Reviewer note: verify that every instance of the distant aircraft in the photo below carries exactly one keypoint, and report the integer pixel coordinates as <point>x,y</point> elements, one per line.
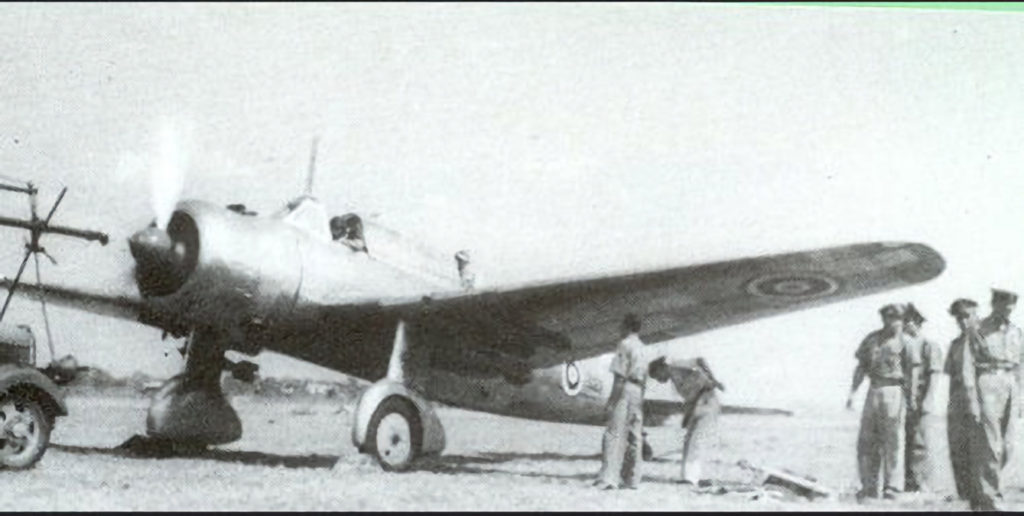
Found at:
<point>228,279</point>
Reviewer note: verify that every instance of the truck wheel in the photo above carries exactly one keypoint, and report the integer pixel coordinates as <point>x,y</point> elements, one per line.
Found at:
<point>25,432</point>
<point>395,435</point>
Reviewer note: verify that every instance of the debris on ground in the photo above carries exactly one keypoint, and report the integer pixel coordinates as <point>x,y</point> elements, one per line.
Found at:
<point>801,485</point>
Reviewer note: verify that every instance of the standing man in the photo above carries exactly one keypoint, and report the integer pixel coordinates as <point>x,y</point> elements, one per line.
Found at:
<point>623,436</point>
<point>884,357</point>
<point>467,277</point>
<point>927,358</point>
<point>963,412</point>
<point>997,361</point>
<point>696,384</point>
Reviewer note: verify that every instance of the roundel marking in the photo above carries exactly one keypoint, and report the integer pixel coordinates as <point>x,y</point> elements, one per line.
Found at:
<point>793,286</point>
<point>571,378</point>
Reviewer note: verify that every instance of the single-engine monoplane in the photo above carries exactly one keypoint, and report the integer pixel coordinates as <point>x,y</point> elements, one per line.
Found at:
<point>228,279</point>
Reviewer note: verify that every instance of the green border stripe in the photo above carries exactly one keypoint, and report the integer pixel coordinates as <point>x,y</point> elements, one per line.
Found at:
<point>949,6</point>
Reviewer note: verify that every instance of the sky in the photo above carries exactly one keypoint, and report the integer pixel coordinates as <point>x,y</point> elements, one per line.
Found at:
<point>551,140</point>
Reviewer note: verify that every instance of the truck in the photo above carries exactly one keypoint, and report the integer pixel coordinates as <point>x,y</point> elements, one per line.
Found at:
<point>30,401</point>
<point>30,398</point>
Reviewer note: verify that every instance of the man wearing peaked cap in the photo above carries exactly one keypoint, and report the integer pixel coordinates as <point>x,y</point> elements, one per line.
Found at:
<point>893,310</point>
<point>884,357</point>
<point>1003,296</point>
<point>920,427</point>
<point>997,362</point>
<point>963,410</point>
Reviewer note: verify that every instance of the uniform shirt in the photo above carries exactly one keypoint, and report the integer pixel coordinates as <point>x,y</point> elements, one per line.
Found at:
<point>690,380</point>
<point>1000,343</point>
<point>960,368</point>
<point>629,361</point>
<point>885,356</point>
<point>927,355</point>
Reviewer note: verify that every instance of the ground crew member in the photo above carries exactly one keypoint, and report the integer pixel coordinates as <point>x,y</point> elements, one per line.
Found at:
<point>963,410</point>
<point>696,384</point>
<point>623,436</point>
<point>467,276</point>
<point>884,357</point>
<point>997,357</point>
<point>919,427</point>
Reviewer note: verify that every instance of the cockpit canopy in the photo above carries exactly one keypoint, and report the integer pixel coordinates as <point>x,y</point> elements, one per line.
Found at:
<point>307,214</point>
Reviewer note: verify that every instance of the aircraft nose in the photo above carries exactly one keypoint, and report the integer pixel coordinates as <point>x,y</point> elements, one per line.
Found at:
<point>156,265</point>
<point>149,243</point>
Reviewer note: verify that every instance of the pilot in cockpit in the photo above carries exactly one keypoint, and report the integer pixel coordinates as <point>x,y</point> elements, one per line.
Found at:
<point>348,229</point>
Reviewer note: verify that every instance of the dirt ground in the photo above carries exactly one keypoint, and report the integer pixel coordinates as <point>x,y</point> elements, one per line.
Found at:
<point>298,456</point>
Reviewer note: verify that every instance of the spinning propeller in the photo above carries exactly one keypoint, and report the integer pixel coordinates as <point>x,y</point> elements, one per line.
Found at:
<point>162,250</point>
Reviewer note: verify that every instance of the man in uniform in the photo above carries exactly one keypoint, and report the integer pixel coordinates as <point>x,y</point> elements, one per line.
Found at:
<point>963,411</point>
<point>623,436</point>
<point>883,356</point>
<point>467,276</point>
<point>696,384</point>
<point>997,361</point>
<point>927,358</point>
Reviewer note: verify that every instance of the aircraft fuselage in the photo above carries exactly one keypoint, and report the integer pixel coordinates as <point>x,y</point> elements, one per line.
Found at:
<point>264,283</point>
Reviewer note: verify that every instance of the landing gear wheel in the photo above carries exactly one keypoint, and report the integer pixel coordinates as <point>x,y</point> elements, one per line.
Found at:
<point>395,434</point>
<point>647,452</point>
<point>24,432</point>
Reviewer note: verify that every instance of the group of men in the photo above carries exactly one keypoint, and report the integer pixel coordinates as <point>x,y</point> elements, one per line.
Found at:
<point>985,379</point>
<point>623,437</point>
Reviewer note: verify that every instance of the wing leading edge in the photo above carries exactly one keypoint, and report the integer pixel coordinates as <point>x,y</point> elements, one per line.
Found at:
<point>544,324</point>
<point>517,328</point>
<point>111,304</point>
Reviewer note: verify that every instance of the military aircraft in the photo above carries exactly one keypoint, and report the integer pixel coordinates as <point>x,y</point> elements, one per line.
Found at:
<point>229,279</point>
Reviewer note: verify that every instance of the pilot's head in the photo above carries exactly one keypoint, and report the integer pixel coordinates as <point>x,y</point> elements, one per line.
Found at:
<point>892,316</point>
<point>337,227</point>
<point>658,370</point>
<point>1003,303</point>
<point>631,324</point>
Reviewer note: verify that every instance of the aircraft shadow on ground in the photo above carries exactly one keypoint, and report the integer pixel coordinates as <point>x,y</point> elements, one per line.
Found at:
<point>233,456</point>
<point>140,448</point>
<point>480,464</point>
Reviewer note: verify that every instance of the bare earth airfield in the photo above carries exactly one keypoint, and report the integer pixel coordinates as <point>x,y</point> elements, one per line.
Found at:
<point>296,455</point>
<point>554,142</point>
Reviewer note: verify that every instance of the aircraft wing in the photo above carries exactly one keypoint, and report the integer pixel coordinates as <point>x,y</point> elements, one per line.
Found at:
<point>111,304</point>
<point>547,323</point>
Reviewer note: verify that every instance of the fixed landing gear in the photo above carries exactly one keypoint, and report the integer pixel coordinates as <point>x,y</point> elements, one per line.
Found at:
<point>190,409</point>
<point>395,434</point>
<point>393,422</point>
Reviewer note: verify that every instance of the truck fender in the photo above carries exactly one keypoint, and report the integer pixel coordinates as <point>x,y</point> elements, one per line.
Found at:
<point>20,377</point>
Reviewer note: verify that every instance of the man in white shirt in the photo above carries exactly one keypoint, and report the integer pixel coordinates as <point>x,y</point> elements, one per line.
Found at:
<point>623,436</point>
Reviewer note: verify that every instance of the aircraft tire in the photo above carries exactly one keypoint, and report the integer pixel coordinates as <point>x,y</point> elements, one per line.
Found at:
<point>24,432</point>
<point>395,434</point>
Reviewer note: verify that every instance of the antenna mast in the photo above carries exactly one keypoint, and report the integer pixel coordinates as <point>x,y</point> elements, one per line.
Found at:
<point>312,167</point>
